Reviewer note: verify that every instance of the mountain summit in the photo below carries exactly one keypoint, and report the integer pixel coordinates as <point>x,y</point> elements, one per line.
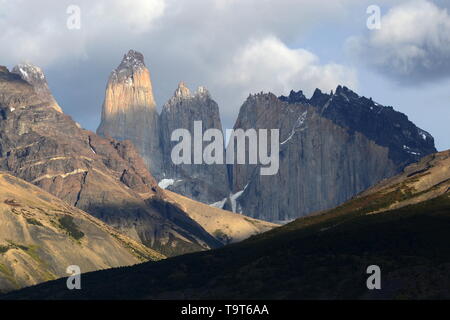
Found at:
<point>132,60</point>
<point>35,76</point>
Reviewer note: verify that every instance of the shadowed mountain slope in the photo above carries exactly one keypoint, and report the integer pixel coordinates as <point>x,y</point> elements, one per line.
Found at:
<point>401,225</point>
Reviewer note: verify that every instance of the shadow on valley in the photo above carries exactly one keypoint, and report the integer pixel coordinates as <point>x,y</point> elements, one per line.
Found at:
<point>319,257</point>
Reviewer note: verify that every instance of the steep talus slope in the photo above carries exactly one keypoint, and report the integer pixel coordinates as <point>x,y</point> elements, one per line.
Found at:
<point>323,256</point>
<point>226,226</point>
<point>331,148</point>
<point>207,183</point>
<point>102,176</point>
<point>40,236</point>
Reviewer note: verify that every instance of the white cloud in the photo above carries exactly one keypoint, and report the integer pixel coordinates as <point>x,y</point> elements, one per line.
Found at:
<point>413,44</point>
<point>137,16</point>
<point>37,32</point>
<point>269,65</point>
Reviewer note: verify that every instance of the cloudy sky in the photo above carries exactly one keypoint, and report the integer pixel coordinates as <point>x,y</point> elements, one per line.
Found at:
<point>237,47</point>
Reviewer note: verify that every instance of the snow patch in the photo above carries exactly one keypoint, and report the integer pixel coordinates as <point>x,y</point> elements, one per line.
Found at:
<point>408,149</point>
<point>219,204</point>
<point>423,134</point>
<point>129,81</point>
<point>298,126</point>
<point>28,72</point>
<point>165,183</point>
<point>345,96</point>
<point>235,207</point>
<point>282,222</point>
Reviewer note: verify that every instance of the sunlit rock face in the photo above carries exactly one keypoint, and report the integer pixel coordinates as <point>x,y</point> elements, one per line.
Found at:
<point>129,109</point>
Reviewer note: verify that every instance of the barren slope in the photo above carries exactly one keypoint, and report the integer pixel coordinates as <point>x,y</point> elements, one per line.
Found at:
<point>40,236</point>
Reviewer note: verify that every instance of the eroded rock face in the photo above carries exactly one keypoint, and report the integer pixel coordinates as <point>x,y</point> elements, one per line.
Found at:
<point>103,177</point>
<point>331,148</point>
<point>207,183</point>
<point>129,109</point>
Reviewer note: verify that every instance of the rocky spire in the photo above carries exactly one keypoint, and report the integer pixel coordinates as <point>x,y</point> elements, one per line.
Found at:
<point>129,109</point>
<point>35,76</point>
<point>131,67</point>
<point>202,182</point>
<point>183,92</point>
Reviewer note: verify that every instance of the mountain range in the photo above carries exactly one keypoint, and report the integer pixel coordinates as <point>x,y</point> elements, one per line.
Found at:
<point>333,146</point>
